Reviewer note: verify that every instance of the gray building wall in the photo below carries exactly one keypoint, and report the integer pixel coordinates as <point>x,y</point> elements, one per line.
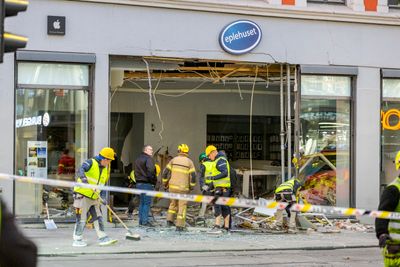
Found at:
<point>367,138</point>
<point>185,118</point>
<point>7,122</point>
<point>107,29</point>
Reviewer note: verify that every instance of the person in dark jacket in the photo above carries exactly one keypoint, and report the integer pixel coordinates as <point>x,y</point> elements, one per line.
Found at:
<point>388,231</point>
<point>146,179</point>
<point>220,175</point>
<point>15,248</point>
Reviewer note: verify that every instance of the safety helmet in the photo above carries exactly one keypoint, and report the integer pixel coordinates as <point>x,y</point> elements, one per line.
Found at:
<point>158,169</point>
<point>183,148</point>
<point>202,156</point>
<point>107,152</point>
<point>397,161</point>
<point>210,149</point>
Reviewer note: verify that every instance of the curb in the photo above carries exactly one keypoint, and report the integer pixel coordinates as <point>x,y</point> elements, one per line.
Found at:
<point>203,250</point>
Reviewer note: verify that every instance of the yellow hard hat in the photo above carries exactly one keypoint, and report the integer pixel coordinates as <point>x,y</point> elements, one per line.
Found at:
<point>158,169</point>
<point>107,152</point>
<point>183,148</point>
<point>397,160</point>
<point>210,149</point>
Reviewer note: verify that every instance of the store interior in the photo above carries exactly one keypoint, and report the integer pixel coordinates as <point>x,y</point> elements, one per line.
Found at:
<point>166,102</point>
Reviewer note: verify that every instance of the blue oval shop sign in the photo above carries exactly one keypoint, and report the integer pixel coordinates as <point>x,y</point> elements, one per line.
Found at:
<point>240,37</point>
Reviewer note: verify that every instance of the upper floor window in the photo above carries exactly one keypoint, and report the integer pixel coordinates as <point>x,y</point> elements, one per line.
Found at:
<point>328,1</point>
<point>393,2</point>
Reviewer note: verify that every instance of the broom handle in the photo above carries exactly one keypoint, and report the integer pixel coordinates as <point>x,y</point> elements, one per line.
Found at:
<point>47,211</point>
<point>110,209</point>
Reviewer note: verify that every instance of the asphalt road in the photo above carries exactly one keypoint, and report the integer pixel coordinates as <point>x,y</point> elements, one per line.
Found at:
<point>336,257</point>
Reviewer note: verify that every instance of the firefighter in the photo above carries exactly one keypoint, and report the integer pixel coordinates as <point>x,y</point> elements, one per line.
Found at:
<point>220,177</point>
<point>179,176</point>
<point>94,171</point>
<point>388,231</point>
<point>287,192</point>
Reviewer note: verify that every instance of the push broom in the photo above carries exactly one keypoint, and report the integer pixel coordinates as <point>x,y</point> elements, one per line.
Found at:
<point>129,235</point>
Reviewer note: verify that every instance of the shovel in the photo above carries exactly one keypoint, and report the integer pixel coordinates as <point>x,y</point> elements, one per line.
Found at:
<point>50,224</point>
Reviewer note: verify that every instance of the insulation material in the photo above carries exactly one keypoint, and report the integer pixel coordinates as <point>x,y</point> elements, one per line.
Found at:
<point>320,188</point>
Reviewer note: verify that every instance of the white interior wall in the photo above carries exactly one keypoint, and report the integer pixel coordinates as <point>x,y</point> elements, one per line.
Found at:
<point>185,118</point>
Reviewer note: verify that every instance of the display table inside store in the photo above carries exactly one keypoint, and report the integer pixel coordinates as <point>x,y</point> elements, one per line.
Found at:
<point>272,172</point>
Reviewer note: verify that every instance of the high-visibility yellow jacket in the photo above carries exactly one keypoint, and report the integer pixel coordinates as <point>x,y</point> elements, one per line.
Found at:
<point>208,171</point>
<point>221,163</point>
<point>292,185</point>
<point>394,225</point>
<point>94,177</point>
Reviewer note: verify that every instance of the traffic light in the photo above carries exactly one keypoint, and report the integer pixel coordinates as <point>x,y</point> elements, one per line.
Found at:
<point>10,42</point>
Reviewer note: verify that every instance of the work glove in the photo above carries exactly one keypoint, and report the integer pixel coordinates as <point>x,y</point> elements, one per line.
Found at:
<point>218,192</point>
<point>103,201</point>
<point>383,238</point>
<point>205,187</point>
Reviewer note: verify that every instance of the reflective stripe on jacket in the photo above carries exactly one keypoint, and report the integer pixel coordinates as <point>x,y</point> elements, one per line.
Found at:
<point>224,181</point>
<point>293,185</point>
<point>181,173</point>
<point>208,171</point>
<point>94,177</point>
<point>394,225</point>
<point>132,177</point>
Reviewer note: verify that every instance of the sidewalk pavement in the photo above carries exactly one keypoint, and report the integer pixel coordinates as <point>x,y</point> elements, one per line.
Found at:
<point>163,240</point>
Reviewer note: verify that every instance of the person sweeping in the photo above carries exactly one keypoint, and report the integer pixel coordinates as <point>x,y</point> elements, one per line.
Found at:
<point>94,171</point>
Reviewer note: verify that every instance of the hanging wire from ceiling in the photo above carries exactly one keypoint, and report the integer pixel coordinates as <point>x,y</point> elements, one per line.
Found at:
<point>251,133</point>
<point>149,79</point>
<point>240,90</point>
<point>158,110</point>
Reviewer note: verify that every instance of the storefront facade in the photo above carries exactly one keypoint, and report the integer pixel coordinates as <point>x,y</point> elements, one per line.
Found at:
<point>340,63</point>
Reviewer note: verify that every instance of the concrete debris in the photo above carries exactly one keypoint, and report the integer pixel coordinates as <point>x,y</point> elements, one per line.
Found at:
<point>353,226</point>
<point>309,222</point>
<point>247,221</point>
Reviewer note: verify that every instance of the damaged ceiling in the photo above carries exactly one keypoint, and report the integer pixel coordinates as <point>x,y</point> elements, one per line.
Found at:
<point>177,73</point>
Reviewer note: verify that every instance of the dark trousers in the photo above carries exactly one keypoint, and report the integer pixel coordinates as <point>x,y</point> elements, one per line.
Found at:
<point>145,202</point>
<point>221,209</point>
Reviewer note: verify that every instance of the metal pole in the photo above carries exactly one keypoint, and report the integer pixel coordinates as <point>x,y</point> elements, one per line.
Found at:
<point>289,124</point>
<point>296,122</point>
<point>282,129</point>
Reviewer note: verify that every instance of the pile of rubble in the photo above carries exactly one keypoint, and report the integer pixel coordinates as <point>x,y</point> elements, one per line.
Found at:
<point>310,222</point>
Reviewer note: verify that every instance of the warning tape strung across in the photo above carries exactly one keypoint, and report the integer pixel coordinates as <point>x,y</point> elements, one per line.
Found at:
<point>229,201</point>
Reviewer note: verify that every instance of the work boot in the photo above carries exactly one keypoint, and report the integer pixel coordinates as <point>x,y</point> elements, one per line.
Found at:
<point>215,230</point>
<point>181,229</point>
<point>79,243</point>
<point>170,224</point>
<point>148,224</point>
<point>106,241</point>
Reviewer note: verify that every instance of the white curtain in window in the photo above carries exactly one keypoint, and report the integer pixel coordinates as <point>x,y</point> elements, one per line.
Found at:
<point>53,74</point>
